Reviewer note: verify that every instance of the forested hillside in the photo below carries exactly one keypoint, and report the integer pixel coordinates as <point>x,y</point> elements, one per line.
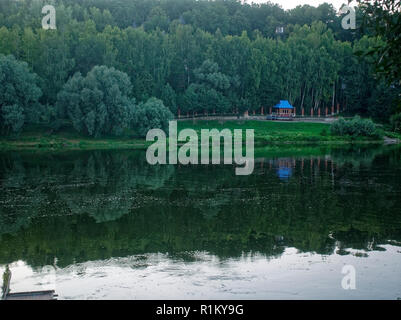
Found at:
<point>101,68</point>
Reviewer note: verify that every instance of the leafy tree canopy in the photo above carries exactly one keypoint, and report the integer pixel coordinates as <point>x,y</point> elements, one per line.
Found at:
<point>98,103</point>
<point>152,114</point>
<point>19,94</point>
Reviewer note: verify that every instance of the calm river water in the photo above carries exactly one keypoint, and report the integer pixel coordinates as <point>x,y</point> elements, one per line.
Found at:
<point>106,225</point>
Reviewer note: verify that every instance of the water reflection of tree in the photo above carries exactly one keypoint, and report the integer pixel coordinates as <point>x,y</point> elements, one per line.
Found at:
<point>358,154</point>
<point>20,197</point>
<point>101,184</point>
<point>181,209</point>
<point>104,185</point>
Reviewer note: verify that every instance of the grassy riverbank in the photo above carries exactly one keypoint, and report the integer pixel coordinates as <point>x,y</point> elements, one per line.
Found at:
<point>266,133</point>
<point>68,140</point>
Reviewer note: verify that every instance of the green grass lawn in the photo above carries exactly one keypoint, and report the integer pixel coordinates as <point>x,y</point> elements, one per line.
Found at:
<point>68,139</point>
<point>266,133</point>
<point>271,131</point>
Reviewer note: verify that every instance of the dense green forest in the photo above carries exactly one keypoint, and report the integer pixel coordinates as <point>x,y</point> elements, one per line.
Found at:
<point>112,65</point>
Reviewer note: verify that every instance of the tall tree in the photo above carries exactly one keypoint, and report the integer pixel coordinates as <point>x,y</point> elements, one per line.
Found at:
<point>98,103</point>
<point>19,94</point>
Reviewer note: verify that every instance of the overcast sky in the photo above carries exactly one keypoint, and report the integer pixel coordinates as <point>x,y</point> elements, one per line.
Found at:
<point>289,4</point>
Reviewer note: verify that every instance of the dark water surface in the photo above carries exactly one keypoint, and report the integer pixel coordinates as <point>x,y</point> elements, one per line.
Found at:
<point>106,225</point>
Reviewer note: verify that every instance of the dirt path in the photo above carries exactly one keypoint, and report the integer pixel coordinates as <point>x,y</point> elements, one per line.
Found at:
<point>260,118</point>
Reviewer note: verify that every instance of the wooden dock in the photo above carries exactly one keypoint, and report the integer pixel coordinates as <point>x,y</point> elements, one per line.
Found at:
<point>34,295</point>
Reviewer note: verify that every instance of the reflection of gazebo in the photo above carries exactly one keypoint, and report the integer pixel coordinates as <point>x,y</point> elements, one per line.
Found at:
<point>284,109</point>
<point>284,170</point>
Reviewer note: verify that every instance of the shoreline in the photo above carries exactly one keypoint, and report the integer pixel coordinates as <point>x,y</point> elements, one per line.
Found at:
<point>266,134</point>
<point>68,145</point>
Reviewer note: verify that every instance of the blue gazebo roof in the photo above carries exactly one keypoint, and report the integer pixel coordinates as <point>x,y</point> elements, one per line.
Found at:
<point>284,104</point>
